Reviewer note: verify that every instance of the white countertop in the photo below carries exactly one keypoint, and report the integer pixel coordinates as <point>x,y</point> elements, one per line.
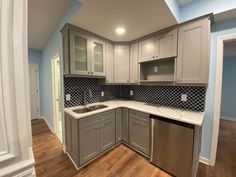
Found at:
<point>191,117</point>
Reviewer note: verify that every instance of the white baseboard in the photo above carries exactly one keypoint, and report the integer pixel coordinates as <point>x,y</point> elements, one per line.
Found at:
<point>204,160</point>
<point>46,120</point>
<point>228,118</point>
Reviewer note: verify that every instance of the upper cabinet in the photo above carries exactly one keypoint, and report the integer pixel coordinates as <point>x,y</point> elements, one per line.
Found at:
<point>148,49</point>
<point>83,54</point>
<point>109,63</point>
<point>134,69</point>
<point>161,46</point>
<point>193,52</point>
<point>121,63</point>
<point>168,44</point>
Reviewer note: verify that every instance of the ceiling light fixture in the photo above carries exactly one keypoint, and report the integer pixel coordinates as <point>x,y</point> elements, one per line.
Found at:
<point>120,30</point>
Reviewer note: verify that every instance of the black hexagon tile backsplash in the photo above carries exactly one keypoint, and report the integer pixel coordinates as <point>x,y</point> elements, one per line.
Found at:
<point>155,94</point>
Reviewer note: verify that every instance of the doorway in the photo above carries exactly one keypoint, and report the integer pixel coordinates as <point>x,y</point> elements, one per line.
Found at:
<point>56,81</point>
<point>219,125</point>
<point>34,91</point>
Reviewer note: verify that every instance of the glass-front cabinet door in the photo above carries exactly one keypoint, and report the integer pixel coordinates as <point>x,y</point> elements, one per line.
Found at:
<point>98,58</point>
<point>80,63</point>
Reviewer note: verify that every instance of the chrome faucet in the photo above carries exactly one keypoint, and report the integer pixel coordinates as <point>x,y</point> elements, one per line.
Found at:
<point>86,91</point>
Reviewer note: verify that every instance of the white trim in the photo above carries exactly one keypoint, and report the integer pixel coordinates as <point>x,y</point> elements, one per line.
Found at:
<point>228,118</point>
<point>46,121</point>
<point>204,160</point>
<point>16,169</point>
<point>218,88</point>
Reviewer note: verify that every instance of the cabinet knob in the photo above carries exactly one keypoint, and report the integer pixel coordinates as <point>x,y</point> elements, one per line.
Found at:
<point>153,57</point>
<point>91,72</point>
<point>88,72</point>
<point>156,56</point>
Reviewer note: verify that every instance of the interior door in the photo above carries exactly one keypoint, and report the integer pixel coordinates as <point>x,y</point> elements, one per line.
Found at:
<point>34,91</point>
<point>57,96</point>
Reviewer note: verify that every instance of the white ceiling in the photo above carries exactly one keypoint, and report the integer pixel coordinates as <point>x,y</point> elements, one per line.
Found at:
<point>184,2</point>
<point>230,49</point>
<point>139,17</point>
<point>43,16</point>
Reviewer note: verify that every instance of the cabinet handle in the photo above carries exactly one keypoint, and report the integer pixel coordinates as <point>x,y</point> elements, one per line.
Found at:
<point>91,72</point>
<point>88,72</point>
<point>153,57</point>
<point>156,56</point>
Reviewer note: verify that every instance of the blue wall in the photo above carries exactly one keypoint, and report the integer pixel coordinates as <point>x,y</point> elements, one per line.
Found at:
<point>54,45</point>
<point>35,56</point>
<point>228,100</point>
<point>203,7</point>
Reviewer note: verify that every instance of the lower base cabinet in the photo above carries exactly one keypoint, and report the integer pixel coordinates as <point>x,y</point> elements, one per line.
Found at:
<point>139,131</point>
<point>89,137</point>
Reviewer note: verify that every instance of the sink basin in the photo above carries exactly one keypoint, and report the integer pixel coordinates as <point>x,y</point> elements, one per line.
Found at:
<point>89,109</point>
<point>96,107</point>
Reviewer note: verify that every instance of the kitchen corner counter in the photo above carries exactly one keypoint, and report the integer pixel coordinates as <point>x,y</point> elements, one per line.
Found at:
<point>191,117</point>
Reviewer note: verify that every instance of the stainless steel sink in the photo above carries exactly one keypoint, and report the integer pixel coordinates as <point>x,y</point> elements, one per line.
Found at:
<point>96,107</point>
<point>89,109</point>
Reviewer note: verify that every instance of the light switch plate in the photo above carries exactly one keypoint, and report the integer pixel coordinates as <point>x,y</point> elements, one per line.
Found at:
<point>68,97</point>
<point>102,94</point>
<point>184,97</point>
<point>131,92</point>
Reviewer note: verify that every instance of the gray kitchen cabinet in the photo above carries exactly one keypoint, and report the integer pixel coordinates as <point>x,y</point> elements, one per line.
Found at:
<point>125,125</point>
<point>134,71</point>
<point>79,53</point>
<point>109,63</point>
<point>148,49</point>
<point>193,52</point>
<point>121,63</point>
<point>89,146</point>
<point>139,131</point>
<point>83,54</point>
<point>118,125</point>
<point>167,44</point>
<point>107,132</point>
<point>98,57</point>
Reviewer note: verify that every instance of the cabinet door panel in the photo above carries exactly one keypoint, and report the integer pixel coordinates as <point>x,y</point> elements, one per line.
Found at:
<point>193,52</point>
<point>121,63</point>
<point>107,133</point>
<point>109,63</point>
<point>118,125</point>
<point>125,125</point>
<point>139,135</point>
<point>98,58</point>
<point>168,44</point>
<point>147,49</point>
<point>79,53</point>
<point>89,143</point>
<point>134,63</point>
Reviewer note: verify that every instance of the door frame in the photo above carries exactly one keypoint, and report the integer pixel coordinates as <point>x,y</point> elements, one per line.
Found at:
<point>55,54</point>
<point>217,94</point>
<point>37,65</point>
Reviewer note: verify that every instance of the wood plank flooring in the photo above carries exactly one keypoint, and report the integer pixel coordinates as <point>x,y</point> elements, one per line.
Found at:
<point>226,154</point>
<point>122,161</point>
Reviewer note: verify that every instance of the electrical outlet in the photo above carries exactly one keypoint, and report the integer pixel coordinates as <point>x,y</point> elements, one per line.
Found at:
<point>131,92</point>
<point>102,94</point>
<point>155,69</point>
<point>184,97</point>
<point>68,97</point>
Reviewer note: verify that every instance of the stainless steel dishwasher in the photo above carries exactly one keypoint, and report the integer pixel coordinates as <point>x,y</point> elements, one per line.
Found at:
<point>172,146</point>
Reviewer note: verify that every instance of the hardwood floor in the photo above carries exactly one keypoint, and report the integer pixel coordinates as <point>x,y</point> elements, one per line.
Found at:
<point>119,162</point>
<point>226,154</point>
<point>122,161</point>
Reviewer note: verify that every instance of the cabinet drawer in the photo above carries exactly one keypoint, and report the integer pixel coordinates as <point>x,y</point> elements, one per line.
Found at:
<point>144,117</point>
<point>88,121</point>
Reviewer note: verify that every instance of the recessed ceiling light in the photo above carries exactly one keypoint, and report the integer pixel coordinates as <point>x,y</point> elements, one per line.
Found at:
<point>120,30</point>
